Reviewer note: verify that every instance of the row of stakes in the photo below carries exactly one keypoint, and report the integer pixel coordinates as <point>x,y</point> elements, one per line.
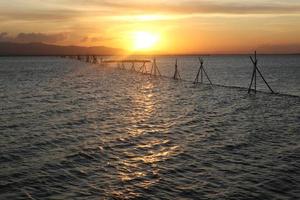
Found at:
<point>201,73</point>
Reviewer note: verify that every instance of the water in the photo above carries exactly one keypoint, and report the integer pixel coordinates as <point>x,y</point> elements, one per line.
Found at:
<point>71,130</point>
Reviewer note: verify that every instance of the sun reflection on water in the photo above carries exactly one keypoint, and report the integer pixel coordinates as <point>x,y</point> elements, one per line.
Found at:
<point>140,170</point>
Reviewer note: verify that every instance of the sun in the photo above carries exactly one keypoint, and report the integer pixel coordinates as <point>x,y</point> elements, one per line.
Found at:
<point>144,40</point>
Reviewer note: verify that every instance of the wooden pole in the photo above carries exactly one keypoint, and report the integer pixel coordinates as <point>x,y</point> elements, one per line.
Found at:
<point>176,73</point>
<point>157,69</point>
<point>265,81</point>
<point>256,69</point>
<point>207,76</point>
<point>154,69</point>
<point>132,67</point>
<point>95,60</point>
<point>143,68</point>
<point>201,67</point>
<point>201,71</point>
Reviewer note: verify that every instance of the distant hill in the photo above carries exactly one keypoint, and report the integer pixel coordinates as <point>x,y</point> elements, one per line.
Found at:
<point>41,49</point>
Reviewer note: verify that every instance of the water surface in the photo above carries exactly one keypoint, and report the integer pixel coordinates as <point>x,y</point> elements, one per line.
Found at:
<point>71,130</point>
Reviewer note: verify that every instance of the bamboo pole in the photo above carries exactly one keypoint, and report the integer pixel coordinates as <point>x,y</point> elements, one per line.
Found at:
<point>132,67</point>
<point>154,69</point>
<point>253,78</point>
<point>143,69</point>
<point>176,73</point>
<point>200,72</point>
<point>265,81</point>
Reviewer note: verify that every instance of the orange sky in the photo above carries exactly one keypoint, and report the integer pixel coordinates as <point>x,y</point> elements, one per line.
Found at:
<point>182,26</point>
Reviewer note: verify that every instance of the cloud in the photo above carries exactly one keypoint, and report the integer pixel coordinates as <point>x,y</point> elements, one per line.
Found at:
<point>40,15</point>
<point>206,7</point>
<point>96,39</point>
<point>195,7</point>
<point>66,10</point>
<point>84,39</point>
<point>34,37</point>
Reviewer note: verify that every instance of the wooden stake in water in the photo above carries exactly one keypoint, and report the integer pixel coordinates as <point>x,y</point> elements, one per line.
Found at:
<point>154,69</point>
<point>95,60</point>
<point>176,73</point>
<point>253,78</point>
<point>123,66</point>
<point>143,68</point>
<point>119,65</point>
<point>132,67</point>
<point>200,72</point>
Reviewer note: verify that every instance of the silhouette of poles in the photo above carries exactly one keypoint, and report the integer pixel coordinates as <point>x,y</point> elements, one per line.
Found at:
<point>132,67</point>
<point>200,72</point>
<point>95,60</point>
<point>154,69</point>
<point>256,69</point>
<point>88,59</point>
<point>143,68</point>
<point>119,65</point>
<point>123,66</point>
<point>176,73</point>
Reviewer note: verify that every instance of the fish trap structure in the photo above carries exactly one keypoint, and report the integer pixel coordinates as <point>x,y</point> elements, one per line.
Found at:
<point>176,75</point>
<point>200,72</point>
<point>154,70</point>
<point>254,75</point>
<point>121,64</point>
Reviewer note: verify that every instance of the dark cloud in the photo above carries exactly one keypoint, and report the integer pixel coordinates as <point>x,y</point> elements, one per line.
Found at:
<point>41,37</point>
<point>84,39</point>
<point>194,7</point>
<point>109,7</point>
<point>41,15</point>
<point>95,39</point>
<point>34,37</point>
<point>197,7</point>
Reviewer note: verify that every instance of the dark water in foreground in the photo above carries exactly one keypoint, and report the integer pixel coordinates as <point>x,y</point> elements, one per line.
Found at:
<point>70,130</point>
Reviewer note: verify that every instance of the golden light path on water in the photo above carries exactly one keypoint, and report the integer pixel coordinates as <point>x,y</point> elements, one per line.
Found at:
<point>146,154</point>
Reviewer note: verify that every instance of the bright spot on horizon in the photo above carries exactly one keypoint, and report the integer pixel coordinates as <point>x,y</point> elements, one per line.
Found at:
<point>144,40</point>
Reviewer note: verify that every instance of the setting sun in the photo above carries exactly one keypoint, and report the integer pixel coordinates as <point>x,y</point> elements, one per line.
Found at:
<point>144,40</point>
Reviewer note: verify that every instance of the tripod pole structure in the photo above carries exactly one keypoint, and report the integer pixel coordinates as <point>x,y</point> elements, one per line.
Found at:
<point>154,69</point>
<point>253,78</point>
<point>201,71</point>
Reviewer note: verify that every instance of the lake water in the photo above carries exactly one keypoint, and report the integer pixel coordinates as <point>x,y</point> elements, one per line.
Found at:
<point>73,130</point>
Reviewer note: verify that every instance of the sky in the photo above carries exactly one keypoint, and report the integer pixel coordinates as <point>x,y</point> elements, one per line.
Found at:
<point>179,26</point>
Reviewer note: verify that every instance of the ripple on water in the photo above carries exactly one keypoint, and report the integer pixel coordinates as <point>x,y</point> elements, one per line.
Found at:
<point>80,131</point>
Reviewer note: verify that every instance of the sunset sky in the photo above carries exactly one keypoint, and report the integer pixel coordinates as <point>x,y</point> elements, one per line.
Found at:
<point>169,26</point>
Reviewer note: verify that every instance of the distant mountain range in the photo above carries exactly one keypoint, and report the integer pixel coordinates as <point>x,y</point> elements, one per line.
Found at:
<point>41,49</point>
